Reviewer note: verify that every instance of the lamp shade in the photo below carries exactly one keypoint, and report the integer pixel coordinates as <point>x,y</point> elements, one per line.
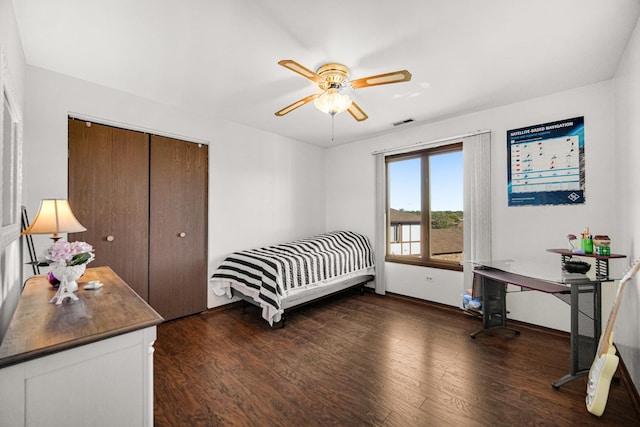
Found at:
<point>332,102</point>
<point>53,217</point>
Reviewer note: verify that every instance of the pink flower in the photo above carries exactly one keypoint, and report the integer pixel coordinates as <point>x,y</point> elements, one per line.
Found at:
<point>79,247</point>
<point>63,252</point>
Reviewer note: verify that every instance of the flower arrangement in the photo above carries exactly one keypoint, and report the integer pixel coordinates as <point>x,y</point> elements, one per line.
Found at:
<point>63,253</point>
<point>67,254</point>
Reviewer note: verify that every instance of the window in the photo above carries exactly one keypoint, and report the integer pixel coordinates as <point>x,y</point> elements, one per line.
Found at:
<point>425,221</point>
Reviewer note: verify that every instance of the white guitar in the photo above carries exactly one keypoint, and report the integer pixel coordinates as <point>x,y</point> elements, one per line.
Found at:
<point>606,362</point>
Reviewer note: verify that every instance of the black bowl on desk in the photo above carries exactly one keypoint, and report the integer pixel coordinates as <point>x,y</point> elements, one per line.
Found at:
<point>577,266</point>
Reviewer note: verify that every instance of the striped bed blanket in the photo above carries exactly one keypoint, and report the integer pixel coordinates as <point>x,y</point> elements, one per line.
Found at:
<point>273,272</point>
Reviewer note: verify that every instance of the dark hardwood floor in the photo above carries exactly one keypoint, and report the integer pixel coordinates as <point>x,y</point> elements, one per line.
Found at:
<point>361,360</point>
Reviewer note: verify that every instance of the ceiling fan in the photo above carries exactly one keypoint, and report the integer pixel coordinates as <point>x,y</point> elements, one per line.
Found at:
<point>331,79</point>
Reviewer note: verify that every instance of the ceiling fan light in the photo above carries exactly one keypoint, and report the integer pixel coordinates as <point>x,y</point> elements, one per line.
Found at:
<point>332,102</point>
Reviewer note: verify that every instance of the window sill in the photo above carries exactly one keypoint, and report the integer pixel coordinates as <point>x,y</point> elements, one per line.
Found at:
<point>444,265</point>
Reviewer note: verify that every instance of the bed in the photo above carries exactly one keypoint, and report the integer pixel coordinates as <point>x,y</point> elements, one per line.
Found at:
<point>280,277</point>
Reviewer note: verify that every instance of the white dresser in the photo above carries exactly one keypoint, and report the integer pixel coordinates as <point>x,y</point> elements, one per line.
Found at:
<point>82,363</point>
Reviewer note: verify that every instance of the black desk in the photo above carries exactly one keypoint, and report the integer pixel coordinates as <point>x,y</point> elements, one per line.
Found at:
<point>489,284</point>
<point>582,292</point>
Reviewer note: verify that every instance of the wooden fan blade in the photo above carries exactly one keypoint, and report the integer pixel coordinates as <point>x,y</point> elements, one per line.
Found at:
<point>382,79</point>
<point>297,104</point>
<point>303,71</point>
<point>357,113</point>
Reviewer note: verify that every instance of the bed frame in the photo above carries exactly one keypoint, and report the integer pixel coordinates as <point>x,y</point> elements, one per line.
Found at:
<point>287,275</point>
<point>288,306</point>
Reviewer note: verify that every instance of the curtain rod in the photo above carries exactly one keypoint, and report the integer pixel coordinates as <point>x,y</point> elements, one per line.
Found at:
<point>419,144</point>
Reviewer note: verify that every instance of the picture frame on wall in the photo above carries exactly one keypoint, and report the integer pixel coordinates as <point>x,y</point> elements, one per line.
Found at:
<point>10,157</point>
<point>545,164</point>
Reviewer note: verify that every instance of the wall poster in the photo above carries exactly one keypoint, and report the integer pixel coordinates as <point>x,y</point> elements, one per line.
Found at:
<point>546,164</point>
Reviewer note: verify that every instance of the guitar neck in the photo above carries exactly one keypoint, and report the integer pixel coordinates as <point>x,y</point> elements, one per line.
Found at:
<point>605,340</point>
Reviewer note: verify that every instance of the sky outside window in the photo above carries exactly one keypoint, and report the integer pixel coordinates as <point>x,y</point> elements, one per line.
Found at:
<point>446,183</point>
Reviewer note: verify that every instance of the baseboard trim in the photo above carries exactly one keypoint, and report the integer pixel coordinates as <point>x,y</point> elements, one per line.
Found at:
<point>456,309</point>
<point>222,307</point>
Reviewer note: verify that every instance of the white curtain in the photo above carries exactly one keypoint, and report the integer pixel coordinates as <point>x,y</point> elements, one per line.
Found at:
<point>476,152</point>
<point>380,239</point>
<point>476,149</point>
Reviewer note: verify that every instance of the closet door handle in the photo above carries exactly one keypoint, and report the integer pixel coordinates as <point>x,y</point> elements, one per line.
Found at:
<point>110,238</point>
<point>182,234</point>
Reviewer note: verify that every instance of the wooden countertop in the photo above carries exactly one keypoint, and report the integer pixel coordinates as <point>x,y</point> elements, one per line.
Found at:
<point>39,328</point>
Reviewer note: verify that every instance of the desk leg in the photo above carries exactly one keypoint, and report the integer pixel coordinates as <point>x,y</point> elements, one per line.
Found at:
<point>494,306</point>
<point>575,369</point>
<point>573,360</point>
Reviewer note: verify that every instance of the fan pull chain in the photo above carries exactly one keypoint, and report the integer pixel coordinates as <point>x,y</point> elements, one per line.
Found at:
<point>332,126</point>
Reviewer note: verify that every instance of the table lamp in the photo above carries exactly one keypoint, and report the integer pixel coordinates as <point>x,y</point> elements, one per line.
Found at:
<point>53,217</point>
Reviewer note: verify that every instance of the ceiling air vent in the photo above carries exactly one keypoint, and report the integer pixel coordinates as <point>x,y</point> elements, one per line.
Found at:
<point>403,122</point>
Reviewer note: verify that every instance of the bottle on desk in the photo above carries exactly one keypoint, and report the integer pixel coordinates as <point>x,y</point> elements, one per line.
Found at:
<point>586,244</point>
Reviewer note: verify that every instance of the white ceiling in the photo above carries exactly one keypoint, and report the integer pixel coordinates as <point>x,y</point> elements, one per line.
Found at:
<point>218,58</point>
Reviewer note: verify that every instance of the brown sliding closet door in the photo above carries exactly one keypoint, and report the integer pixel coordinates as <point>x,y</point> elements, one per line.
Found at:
<point>178,227</point>
<point>109,193</point>
<point>143,200</point>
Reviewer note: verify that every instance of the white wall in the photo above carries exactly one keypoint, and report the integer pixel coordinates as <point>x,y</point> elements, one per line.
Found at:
<point>627,110</point>
<point>11,47</point>
<point>518,232</point>
<point>263,188</point>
